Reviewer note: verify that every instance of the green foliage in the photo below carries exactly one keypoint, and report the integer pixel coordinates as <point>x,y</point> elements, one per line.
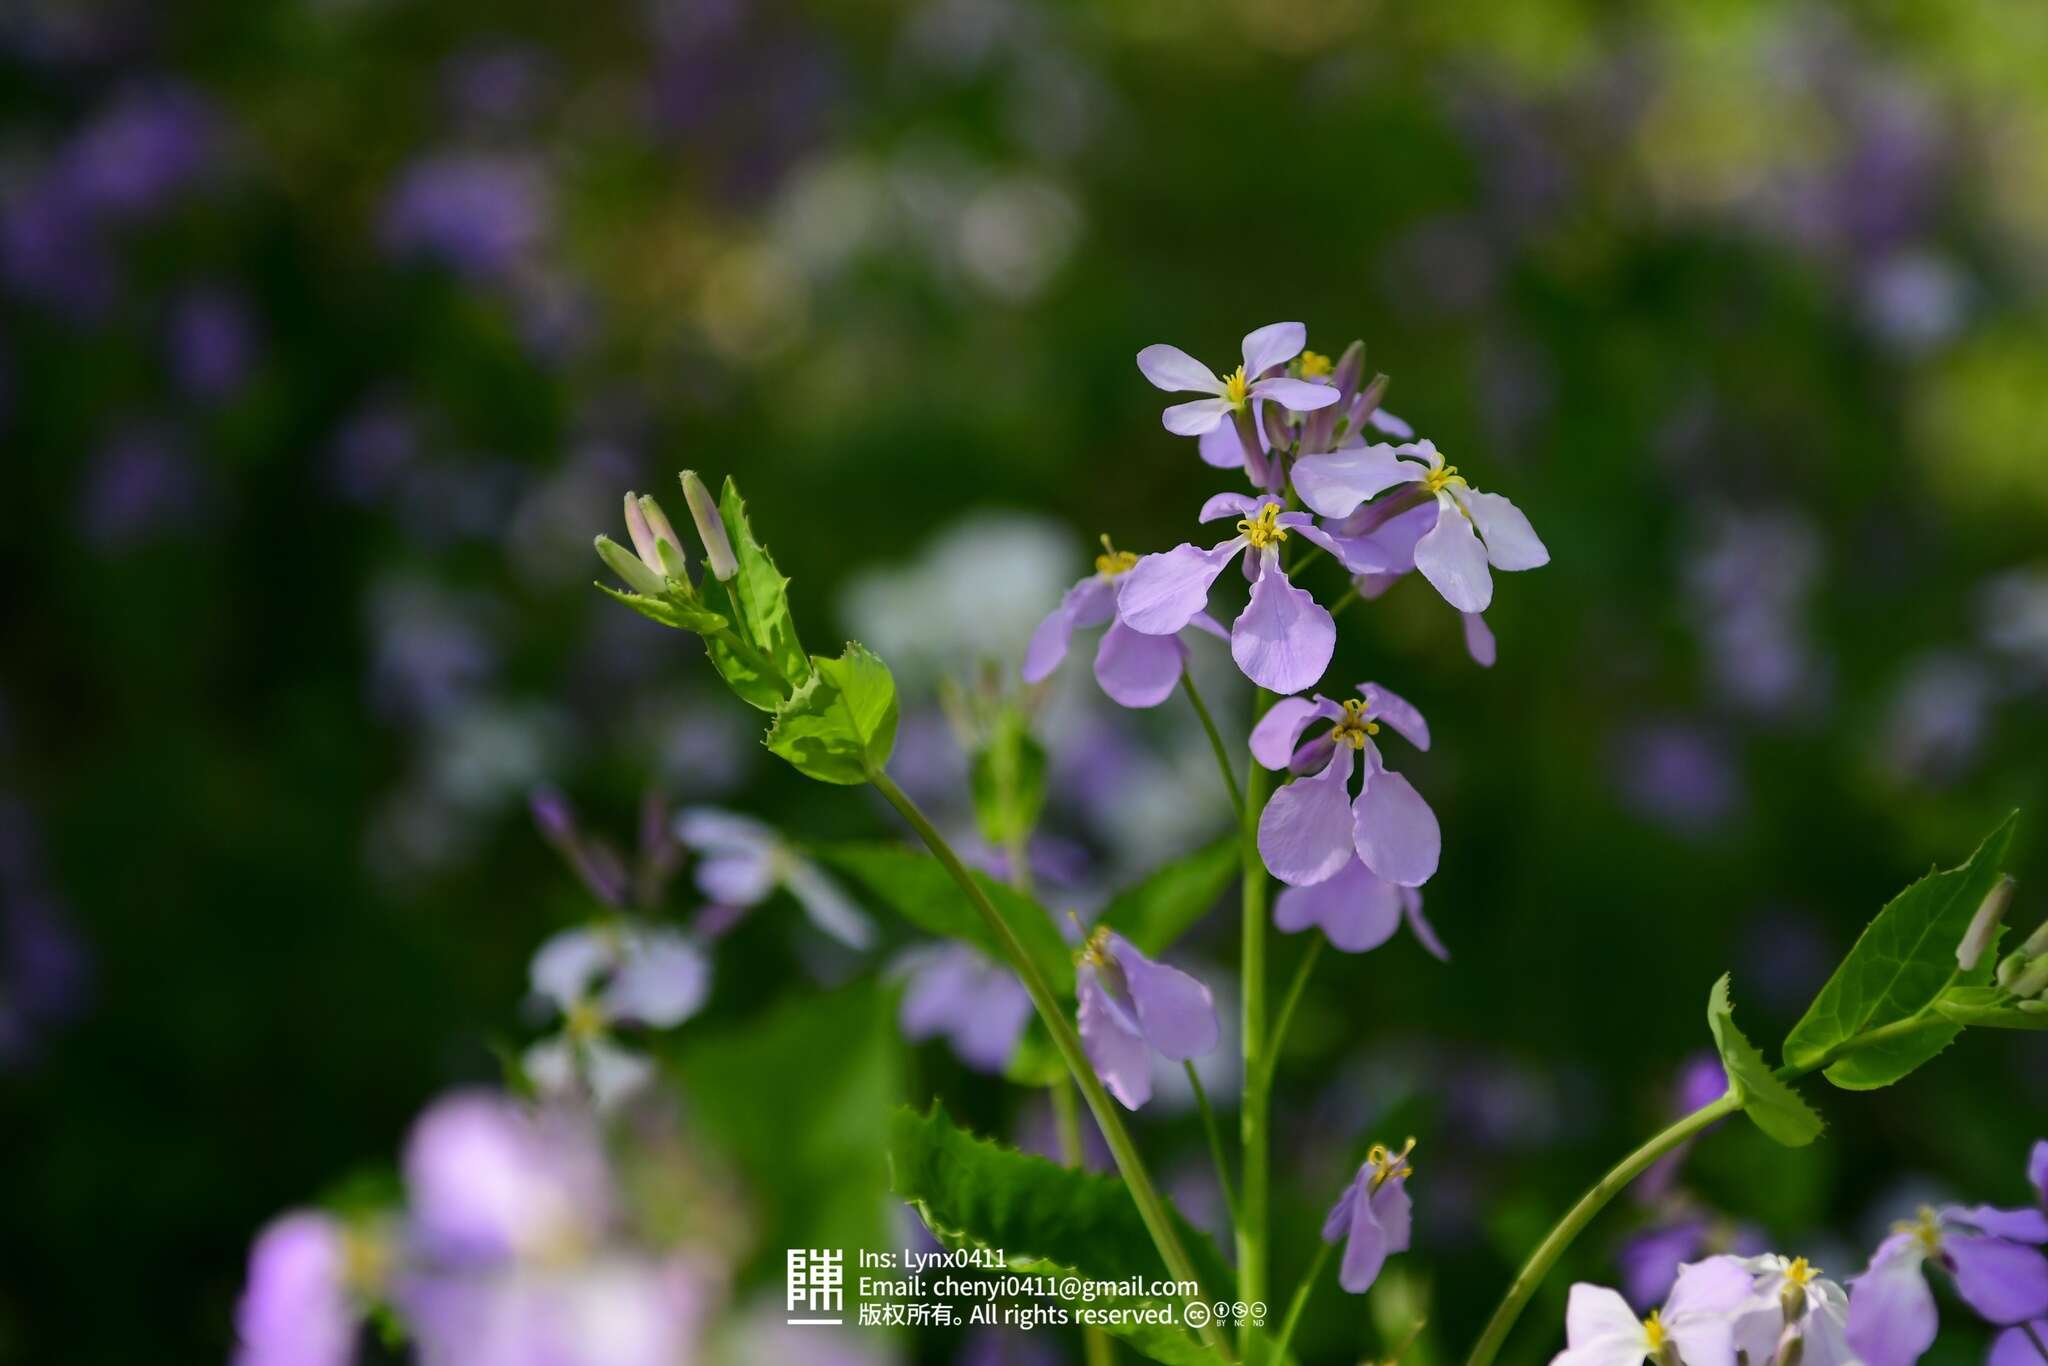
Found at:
<point>668,611</point>
<point>840,724</point>
<point>1046,1219</point>
<point>762,591</point>
<point>1895,972</point>
<point>1775,1107</point>
<point>1166,903</point>
<point>1989,1007</point>
<point>1007,776</point>
<point>919,890</point>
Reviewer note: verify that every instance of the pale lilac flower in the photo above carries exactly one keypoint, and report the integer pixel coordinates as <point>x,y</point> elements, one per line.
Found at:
<point>297,1308</point>
<point>1310,828</point>
<point>1373,1216</point>
<point>490,1182</point>
<point>1471,530</point>
<point>1284,638</point>
<point>1135,669</point>
<point>1356,911</point>
<point>2019,1345</point>
<point>1789,1295</point>
<point>599,979</point>
<point>1601,1330</point>
<point>1131,1007</point>
<point>614,1309</point>
<point>1989,1253</point>
<point>1265,350</point>
<point>481,215</point>
<point>955,993</point>
<point>744,862</point>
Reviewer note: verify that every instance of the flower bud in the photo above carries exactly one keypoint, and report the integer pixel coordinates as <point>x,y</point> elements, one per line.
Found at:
<point>1279,434</point>
<point>718,557</point>
<point>1350,370</point>
<point>1368,400</point>
<point>628,567</point>
<point>1984,925</point>
<point>2010,967</point>
<point>2032,979</point>
<point>641,532</point>
<point>1319,433</point>
<point>2037,942</point>
<point>2034,1007</point>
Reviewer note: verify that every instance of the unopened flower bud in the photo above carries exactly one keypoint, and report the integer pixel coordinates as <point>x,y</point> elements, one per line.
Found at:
<point>642,534</point>
<point>718,555</point>
<point>2034,1007</point>
<point>628,567</point>
<point>1350,370</point>
<point>2032,979</point>
<point>1273,418</point>
<point>2037,942</point>
<point>667,545</point>
<point>1984,925</point>
<point>1368,400</point>
<point>2010,967</point>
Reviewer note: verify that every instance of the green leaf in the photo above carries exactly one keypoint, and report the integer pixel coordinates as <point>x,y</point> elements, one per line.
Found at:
<point>1902,962</point>
<point>840,724</point>
<point>1775,1107</point>
<point>667,611</point>
<point>918,889</point>
<point>1989,1007</point>
<point>1007,777</point>
<point>1047,1220</point>
<point>1166,904</point>
<point>762,590</point>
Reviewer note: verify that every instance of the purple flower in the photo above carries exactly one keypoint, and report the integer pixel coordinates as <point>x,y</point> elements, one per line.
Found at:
<point>977,1006</point>
<point>1601,1330</point>
<point>1283,639</point>
<point>1135,669</point>
<point>480,215</point>
<point>142,485</point>
<point>1356,911</point>
<point>616,1309</point>
<point>151,141</point>
<point>1265,350</point>
<point>744,862</point>
<point>1470,531</point>
<point>1988,1252</point>
<point>1131,1007</point>
<point>598,979</point>
<point>1791,1301</point>
<point>1372,1216</point>
<point>212,343</point>
<point>490,1182</point>
<point>297,1308</point>
<point>1310,828</point>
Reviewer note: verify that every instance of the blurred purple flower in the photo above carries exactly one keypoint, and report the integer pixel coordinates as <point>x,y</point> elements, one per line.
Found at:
<point>373,448</point>
<point>2013,620</point>
<point>212,342</point>
<point>142,485</point>
<point>744,861</point>
<point>1373,1217</point>
<point>1311,829</point>
<point>151,140</point>
<point>1749,582</point>
<point>480,214</point>
<point>431,650</point>
<point>498,83</point>
<point>297,1308</point>
<point>489,1181</point>
<point>53,251</point>
<point>597,979</point>
<point>1130,1007</point>
<point>1937,719</point>
<point>1674,773</point>
<point>955,993</point>
<point>1695,1324</point>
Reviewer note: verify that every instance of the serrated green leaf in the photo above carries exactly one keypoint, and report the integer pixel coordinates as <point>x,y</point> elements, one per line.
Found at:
<point>1900,964</point>
<point>1047,1220</point>
<point>762,590</point>
<point>1156,911</point>
<point>1006,776</point>
<point>917,888</point>
<point>839,726</point>
<point>667,611</point>
<point>1774,1107</point>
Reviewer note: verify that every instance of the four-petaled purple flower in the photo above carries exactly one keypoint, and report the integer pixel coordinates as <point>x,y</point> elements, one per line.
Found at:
<point>1791,1301</point>
<point>1356,911</point>
<point>979,1006</point>
<point>1372,1216</point>
<point>1311,829</point>
<point>1284,638</point>
<point>2018,1344</point>
<point>1135,669</point>
<point>1991,1254</point>
<point>1695,1325</point>
<point>1471,530</point>
<point>1265,350</point>
<point>598,978</point>
<point>1131,1007</point>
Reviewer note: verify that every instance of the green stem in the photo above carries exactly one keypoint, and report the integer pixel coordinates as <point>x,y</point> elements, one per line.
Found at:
<point>1293,999</point>
<point>1215,741</point>
<point>1215,1141</point>
<point>1252,1128</point>
<point>1350,596</point>
<point>1581,1214</point>
<point>1067,1118</point>
<point>1301,1294</point>
<point>1912,1024</point>
<point>1151,1209</point>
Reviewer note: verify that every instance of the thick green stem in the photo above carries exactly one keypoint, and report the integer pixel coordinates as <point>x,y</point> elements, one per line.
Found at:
<point>1591,1203</point>
<point>1301,1294</point>
<point>1293,999</point>
<point>1095,1343</point>
<point>1215,1141</point>
<point>1252,1128</point>
<point>1151,1209</point>
<point>1215,742</point>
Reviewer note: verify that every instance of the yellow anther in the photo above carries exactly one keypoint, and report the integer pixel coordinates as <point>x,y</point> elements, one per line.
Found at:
<point>1112,562</point>
<point>1354,729</point>
<point>1927,1228</point>
<point>1387,1164</point>
<point>1653,1330</point>
<point>1441,477</point>
<point>1264,529</point>
<point>1315,365</point>
<point>1236,389</point>
<point>1800,1272</point>
<point>583,1020</point>
<point>1095,948</point>
<point>365,1261</point>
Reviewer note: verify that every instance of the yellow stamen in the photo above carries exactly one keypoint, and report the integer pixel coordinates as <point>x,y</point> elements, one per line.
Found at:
<point>1315,365</point>
<point>1800,1272</point>
<point>583,1021</point>
<point>1388,1165</point>
<point>1264,529</point>
<point>1354,729</point>
<point>365,1261</point>
<point>1236,389</point>
<point>1112,562</point>
<point>1441,477</point>
<point>1653,1330</point>
<point>1927,1228</point>
<point>1094,949</point>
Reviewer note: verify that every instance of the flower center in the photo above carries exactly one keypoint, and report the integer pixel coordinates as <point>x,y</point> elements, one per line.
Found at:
<point>1236,388</point>
<point>1800,1272</point>
<point>1354,729</point>
<point>1442,477</point>
<point>1388,1165</point>
<point>1315,365</point>
<point>1653,1330</point>
<point>365,1261</point>
<point>1112,562</point>
<point>1095,948</point>
<point>1927,1228</point>
<point>1264,529</point>
<point>583,1021</point>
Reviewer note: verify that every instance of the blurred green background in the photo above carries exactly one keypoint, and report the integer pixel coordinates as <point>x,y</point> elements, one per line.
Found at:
<point>331,331</point>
